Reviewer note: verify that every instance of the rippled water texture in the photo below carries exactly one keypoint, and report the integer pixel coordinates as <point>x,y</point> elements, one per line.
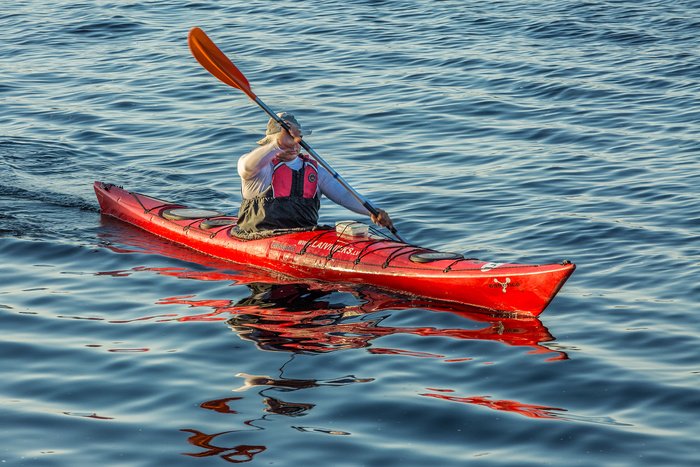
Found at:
<point>506,130</point>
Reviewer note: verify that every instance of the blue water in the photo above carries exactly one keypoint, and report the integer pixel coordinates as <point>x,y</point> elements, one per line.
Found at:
<point>506,130</point>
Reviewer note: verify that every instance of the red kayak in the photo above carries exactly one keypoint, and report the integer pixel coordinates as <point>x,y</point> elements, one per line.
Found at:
<point>349,253</point>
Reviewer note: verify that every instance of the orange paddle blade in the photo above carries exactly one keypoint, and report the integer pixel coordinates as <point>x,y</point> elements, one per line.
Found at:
<point>215,62</point>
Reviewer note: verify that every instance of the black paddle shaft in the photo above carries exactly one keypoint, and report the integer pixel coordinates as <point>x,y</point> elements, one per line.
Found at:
<point>365,202</point>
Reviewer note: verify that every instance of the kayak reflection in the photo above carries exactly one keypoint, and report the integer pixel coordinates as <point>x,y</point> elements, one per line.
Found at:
<point>282,315</point>
<point>299,318</point>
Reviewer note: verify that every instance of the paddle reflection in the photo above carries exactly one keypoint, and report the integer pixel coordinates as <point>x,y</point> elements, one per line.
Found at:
<point>215,444</point>
<point>252,381</point>
<point>237,454</point>
<point>528,410</point>
<point>520,408</point>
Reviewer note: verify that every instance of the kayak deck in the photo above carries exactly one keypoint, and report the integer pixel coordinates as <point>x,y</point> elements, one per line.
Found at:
<point>326,255</point>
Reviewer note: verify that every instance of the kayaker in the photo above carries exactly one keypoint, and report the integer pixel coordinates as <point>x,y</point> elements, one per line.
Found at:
<point>281,188</point>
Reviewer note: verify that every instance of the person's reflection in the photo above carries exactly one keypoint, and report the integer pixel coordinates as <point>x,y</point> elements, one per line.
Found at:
<point>298,318</point>
<point>287,297</point>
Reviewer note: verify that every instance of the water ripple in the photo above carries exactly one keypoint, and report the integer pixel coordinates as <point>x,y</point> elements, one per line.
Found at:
<point>509,130</point>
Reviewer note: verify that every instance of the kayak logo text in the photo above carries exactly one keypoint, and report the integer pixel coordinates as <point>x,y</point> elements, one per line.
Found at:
<point>507,283</point>
<point>282,246</point>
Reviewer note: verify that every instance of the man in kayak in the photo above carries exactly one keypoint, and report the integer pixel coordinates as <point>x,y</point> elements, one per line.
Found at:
<point>282,189</point>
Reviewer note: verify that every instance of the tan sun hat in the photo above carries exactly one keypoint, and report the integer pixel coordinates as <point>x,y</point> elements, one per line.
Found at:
<point>273,127</point>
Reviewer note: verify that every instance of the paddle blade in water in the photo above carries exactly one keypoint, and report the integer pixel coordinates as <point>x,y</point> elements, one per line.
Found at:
<point>215,62</point>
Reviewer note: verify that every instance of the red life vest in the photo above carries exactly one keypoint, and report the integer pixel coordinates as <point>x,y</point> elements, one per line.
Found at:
<point>286,183</point>
<point>291,201</point>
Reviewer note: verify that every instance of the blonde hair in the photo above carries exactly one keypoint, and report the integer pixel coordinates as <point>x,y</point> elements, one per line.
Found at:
<point>268,139</point>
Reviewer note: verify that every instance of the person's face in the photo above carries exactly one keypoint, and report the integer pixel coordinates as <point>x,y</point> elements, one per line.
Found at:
<point>290,144</point>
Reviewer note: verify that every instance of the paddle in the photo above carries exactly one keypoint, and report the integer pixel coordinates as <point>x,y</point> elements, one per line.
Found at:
<point>215,62</point>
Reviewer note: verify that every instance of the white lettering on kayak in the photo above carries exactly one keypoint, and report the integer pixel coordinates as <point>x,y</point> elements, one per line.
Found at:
<point>348,250</point>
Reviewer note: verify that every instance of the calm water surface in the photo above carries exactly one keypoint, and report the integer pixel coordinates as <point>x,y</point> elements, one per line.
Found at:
<point>506,130</point>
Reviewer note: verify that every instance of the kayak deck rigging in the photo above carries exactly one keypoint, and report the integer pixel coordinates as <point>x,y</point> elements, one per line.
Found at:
<point>324,231</point>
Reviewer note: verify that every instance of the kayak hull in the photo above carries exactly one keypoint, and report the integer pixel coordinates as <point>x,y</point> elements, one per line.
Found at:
<point>366,259</point>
